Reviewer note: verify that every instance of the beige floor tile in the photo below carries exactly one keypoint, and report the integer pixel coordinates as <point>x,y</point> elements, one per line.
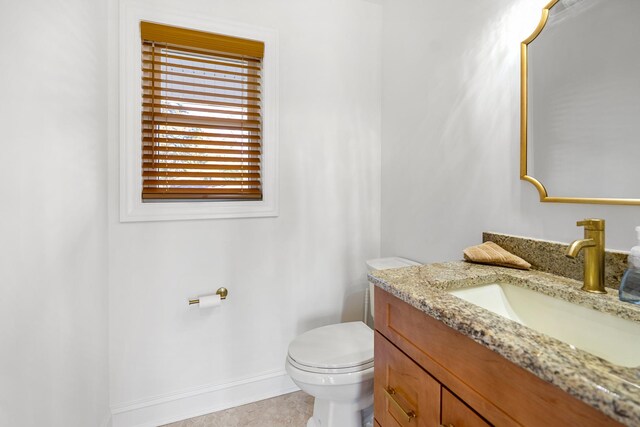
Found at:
<point>292,410</point>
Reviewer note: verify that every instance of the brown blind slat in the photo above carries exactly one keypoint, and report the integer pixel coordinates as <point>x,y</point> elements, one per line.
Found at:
<point>201,118</point>
<point>219,196</point>
<point>182,57</point>
<point>182,125</point>
<point>203,190</point>
<point>197,183</point>
<point>169,133</point>
<point>174,142</point>
<point>158,106</point>
<point>198,150</point>
<point>193,119</point>
<point>178,82</point>
<point>233,106</point>
<point>157,165</point>
<point>148,48</point>
<point>201,174</point>
<point>202,159</point>
<point>157,67</point>
<point>149,71</point>
<point>159,91</point>
<point>231,126</point>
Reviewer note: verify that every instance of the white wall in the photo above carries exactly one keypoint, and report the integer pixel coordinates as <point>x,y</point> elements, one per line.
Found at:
<point>450,144</point>
<point>285,275</point>
<point>53,229</point>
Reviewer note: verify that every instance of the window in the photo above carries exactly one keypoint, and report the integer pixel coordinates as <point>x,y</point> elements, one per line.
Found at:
<point>201,115</point>
<point>198,116</point>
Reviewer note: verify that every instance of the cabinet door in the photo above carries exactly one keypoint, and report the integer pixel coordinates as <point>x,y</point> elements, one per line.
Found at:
<point>455,413</point>
<point>404,394</point>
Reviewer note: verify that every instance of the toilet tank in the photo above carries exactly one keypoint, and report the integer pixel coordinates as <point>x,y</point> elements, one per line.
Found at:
<point>385,264</point>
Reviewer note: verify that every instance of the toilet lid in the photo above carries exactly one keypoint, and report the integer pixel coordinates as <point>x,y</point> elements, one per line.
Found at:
<point>343,345</point>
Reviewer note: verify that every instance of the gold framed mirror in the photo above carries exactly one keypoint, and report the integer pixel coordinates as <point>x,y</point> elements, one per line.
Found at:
<point>580,102</point>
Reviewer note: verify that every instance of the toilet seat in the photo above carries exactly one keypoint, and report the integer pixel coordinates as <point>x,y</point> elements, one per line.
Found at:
<point>335,349</point>
<point>319,370</point>
<point>324,379</point>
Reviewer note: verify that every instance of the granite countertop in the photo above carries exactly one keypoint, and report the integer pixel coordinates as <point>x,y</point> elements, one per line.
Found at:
<point>612,389</point>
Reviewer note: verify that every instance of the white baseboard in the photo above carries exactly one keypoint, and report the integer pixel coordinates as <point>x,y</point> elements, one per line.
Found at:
<point>201,400</point>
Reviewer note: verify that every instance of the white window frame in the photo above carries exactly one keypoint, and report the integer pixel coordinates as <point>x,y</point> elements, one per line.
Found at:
<point>132,208</point>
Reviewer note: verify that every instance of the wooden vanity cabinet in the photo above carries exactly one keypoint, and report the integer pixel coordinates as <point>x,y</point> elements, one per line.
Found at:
<point>427,374</point>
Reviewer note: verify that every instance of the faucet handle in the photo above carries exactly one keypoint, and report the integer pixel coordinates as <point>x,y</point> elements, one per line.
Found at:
<point>593,224</point>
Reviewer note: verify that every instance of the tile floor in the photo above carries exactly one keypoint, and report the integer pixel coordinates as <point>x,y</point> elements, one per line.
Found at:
<point>293,409</point>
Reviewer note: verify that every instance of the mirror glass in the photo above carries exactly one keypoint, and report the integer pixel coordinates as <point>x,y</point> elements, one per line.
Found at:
<point>583,100</point>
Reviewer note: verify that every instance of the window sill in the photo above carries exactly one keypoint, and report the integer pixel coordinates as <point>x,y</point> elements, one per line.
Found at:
<point>176,211</point>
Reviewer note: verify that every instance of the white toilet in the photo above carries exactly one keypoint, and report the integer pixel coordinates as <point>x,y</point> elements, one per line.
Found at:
<point>334,364</point>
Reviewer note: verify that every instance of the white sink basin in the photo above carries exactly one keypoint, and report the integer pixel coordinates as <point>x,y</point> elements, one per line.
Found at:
<point>604,335</point>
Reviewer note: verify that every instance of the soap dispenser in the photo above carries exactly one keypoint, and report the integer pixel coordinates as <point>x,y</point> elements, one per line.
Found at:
<point>630,286</point>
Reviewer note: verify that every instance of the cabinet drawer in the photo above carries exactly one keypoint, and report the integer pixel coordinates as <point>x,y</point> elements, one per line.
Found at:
<point>404,394</point>
<point>456,413</point>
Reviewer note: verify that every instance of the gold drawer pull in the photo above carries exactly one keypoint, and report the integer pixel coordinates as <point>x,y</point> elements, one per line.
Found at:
<point>409,415</point>
<point>448,425</point>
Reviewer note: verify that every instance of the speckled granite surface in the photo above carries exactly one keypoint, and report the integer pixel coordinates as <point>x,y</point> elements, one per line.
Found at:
<point>549,256</point>
<point>612,389</point>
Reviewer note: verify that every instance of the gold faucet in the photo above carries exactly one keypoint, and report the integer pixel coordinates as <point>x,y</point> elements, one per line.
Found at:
<point>593,245</point>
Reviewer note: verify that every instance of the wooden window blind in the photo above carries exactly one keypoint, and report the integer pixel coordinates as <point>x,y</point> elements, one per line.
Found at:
<point>201,115</point>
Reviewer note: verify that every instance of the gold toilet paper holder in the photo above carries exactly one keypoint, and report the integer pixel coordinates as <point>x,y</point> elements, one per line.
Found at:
<point>223,292</point>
